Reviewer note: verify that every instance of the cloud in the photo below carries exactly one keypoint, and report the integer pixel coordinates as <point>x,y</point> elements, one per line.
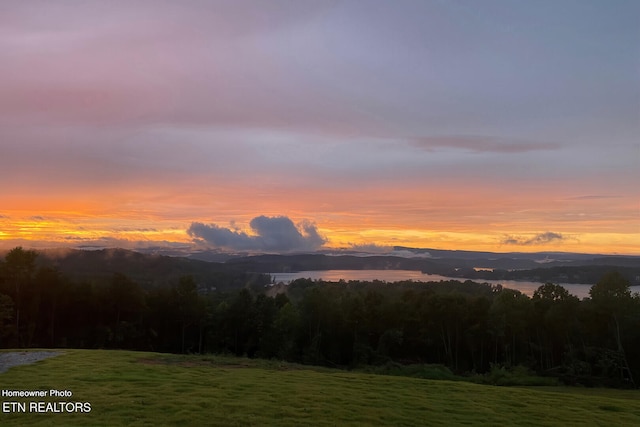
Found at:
<point>406,253</point>
<point>271,234</point>
<point>78,242</point>
<point>371,248</point>
<point>135,229</point>
<point>538,239</point>
<point>481,144</point>
<point>593,197</point>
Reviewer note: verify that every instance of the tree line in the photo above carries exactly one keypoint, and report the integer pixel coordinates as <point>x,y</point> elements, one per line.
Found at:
<point>468,327</point>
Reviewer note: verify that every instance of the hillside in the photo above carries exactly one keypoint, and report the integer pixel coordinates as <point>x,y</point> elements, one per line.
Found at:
<point>569,269</point>
<point>229,271</point>
<point>148,270</point>
<point>144,389</point>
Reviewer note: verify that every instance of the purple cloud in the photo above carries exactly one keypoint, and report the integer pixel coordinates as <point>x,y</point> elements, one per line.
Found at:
<point>272,234</point>
<point>481,144</point>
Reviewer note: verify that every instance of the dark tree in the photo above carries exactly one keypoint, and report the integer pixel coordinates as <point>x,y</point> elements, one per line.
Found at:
<point>19,266</point>
<point>6,315</point>
<point>612,300</point>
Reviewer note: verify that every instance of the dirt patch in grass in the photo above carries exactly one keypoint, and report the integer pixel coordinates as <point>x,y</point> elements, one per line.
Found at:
<point>151,362</point>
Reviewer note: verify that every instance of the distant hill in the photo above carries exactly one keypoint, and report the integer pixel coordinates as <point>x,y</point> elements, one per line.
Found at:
<point>302,262</point>
<point>225,271</point>
<point>531,267</point>
<point>148,270</point>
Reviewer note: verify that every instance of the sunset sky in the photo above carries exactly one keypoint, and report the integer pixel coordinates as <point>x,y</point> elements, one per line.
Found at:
<point>292,125</point>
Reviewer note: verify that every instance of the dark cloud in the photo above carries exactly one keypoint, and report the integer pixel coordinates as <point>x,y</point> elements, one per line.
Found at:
<point>272,234</point>
<point>481,144</point>
<point>538,239</point>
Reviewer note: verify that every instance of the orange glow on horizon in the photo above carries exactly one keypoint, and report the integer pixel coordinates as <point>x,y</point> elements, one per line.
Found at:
<point>413,216</point>
<point>135,233</point>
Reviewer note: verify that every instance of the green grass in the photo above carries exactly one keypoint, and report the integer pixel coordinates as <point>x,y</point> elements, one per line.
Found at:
<point>147,389</point>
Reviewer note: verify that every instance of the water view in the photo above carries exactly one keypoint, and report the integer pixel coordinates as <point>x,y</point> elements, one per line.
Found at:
<point>527,288</point>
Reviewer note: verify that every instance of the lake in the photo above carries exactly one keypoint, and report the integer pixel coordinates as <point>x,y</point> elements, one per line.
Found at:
<point>527,288</point>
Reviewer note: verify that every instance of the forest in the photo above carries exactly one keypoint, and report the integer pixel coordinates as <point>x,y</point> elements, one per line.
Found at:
<point>467,327</point>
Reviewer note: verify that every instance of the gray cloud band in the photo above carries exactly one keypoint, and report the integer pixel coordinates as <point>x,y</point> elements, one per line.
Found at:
<point>277,233</point>
<point>538,239</point>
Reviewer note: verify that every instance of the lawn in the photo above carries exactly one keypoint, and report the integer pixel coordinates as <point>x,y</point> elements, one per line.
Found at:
<point>127,388</point>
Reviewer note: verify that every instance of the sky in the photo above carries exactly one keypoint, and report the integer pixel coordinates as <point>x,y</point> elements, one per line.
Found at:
<point>290,125</point>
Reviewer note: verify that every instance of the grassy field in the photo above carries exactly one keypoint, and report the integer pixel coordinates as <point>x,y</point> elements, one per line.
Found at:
<point>146,389</point>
